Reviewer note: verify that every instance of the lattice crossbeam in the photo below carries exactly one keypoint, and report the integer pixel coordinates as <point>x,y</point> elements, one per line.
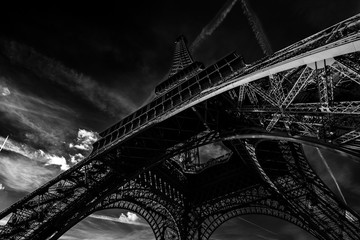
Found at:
<point>347,137</point>
<point>346,71</point>
<point>126,168</point>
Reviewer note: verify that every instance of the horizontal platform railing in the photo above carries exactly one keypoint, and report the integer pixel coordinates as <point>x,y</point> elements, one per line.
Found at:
<point>180,76</point>
<point>232,65</point>
<point>342,30</point>
<point>328,35</point>
<point>207,78</point>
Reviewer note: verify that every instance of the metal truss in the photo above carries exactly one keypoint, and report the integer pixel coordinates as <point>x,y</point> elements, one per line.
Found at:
<point>182,57</point>
<point>291,191</point>
<point>347,137</point>
<point>313,104</point>
<point>167,208</point>
<point>135,164</point>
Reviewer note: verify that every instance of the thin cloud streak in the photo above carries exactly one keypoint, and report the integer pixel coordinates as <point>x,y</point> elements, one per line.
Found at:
<point>84,141</point>
<point>344,170</point>
<point>257,28</point>
<point>331,174</point>
<point>129,218</point>
<point>42,121</point>
<point>39,113</point>
<point>102,226</point>
<point>213,24</point>
<point>43,157</point>
<point>256,225</point>
<point>45,125</point>
<point>103,98</point>
<point>23,174</point>
<point>21,148</point>
<point>2,146</point>
<point>95,234</point>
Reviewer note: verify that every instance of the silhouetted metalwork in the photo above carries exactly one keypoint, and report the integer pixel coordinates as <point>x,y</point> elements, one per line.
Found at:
<point>259,114</point>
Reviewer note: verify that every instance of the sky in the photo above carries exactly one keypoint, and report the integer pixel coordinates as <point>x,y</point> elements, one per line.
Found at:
<point>68,72</point>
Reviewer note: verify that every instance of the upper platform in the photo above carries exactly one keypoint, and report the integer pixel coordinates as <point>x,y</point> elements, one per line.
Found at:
<point>228,73</point>
<point>182,68</point>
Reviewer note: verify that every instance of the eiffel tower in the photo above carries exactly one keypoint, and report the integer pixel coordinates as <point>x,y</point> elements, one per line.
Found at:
<point>254,117</point>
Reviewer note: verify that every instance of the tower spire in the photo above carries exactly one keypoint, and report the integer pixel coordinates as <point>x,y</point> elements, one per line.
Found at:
<point>182,57</point>
<point>183,66</point>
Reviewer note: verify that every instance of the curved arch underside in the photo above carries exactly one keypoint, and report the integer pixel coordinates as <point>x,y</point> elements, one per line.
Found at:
<point>305,94</point>
<point>193,206</point>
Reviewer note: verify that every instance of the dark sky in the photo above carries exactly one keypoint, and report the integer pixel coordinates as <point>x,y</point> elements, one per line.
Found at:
<point>69,71</point>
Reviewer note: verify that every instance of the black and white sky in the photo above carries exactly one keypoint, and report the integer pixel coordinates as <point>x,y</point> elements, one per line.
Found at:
<point>69,71</point>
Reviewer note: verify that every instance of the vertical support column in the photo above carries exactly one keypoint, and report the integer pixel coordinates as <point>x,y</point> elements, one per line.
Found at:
<point>326,98</point>
<point>325,86</point>
<point>277,90</point>
<point>333,216</point>
<point>241,95</point>
<point>252,96</point>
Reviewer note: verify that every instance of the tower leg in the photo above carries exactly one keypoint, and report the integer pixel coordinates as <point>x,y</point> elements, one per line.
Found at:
<point>301,189</point>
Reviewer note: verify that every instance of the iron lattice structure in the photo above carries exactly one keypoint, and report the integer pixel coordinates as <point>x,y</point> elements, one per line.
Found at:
<point>181,58</point>
<point>263,113</point>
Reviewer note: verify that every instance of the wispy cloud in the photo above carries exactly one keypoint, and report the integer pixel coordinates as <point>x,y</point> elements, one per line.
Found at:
<point>23,174</point>
<point>27,167</point>
<point>96,234</point>
<point>85,139</point>
<point>258,226</point>
<point>212,150</point>
<point>37,155</point>
<point>103,98</point>
<point>82,145</point>
<point>4,142</point>
<point>213,24</point>
<point>257,28</point>
<point>254,227</point>
<point>42,122</point>
<point>37,162</point>
<point>129,218</point>
<point>344,170</point>
<point>60,161</point>
<point>111,228</point>
<point>20,148</point>
<point>76,157</point>
<point>4,91</point>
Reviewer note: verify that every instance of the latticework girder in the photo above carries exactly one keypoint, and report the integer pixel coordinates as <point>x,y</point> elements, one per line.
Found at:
<point>182,57</point>
<point>309,94</point>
